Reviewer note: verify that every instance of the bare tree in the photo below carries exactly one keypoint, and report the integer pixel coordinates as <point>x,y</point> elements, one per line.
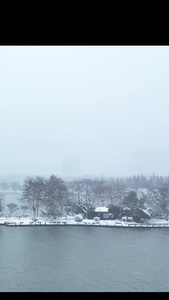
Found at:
<point>33,193</point>
<point>12,207</point>
<point>115,192</point>
<point>82,195</point>
<point>55,196</point>
<point>2,203</point>
<point>24,209</point>
<point>100,191</point>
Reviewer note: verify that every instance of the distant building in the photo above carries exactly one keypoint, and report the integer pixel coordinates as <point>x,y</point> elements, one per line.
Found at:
<point>103,213</point>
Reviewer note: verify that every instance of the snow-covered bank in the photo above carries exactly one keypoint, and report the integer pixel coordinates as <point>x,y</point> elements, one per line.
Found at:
<point>85,222</point>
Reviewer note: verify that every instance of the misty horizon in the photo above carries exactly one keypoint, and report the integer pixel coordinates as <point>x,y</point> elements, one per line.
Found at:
<point>77,111</point>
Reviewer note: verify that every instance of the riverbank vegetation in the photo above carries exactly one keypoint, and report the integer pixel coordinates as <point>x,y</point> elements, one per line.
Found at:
<point>138,196</point>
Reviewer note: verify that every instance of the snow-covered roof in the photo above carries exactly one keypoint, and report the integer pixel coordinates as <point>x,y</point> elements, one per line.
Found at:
<point>101,209</point>
<point>146,212</point>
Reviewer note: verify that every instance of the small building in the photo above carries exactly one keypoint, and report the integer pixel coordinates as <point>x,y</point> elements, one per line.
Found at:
<point>126,212</point>
<point>103,213</point>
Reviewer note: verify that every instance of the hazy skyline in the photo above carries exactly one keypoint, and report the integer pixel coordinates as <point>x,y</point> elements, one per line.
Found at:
<point>84,110</point>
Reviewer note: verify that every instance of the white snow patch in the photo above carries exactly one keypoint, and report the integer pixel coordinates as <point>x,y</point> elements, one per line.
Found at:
<point>101,209</point>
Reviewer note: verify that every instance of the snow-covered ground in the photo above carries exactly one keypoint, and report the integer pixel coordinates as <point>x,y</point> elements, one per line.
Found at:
<point>72,221</point>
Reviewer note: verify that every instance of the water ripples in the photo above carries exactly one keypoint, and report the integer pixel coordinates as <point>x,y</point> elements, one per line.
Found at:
<point>76,259</point>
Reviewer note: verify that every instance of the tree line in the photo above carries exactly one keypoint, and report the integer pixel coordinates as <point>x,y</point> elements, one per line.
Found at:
<point>14,185</point>
<point>51,197</point>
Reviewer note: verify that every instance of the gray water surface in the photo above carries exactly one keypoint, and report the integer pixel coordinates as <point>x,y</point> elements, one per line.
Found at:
<point>83,259</point>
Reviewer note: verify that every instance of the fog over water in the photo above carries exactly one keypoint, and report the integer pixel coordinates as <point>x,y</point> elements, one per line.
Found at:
<point>84,110</point>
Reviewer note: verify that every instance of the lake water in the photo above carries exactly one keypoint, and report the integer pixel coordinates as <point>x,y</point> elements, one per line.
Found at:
<point>84,259</point>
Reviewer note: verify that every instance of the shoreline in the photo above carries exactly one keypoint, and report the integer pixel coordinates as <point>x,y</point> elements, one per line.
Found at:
<point>21,222</point>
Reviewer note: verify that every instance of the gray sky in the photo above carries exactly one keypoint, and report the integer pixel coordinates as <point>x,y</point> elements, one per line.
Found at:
<point>84,110</point>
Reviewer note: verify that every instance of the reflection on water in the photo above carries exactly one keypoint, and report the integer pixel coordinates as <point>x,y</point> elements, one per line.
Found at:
<point>76,259</point>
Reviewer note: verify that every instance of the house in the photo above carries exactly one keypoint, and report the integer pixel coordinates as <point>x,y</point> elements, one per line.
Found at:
<point>103,213</point>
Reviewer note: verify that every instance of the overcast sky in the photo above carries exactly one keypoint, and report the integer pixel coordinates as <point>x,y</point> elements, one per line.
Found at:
<point>84,110</point>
